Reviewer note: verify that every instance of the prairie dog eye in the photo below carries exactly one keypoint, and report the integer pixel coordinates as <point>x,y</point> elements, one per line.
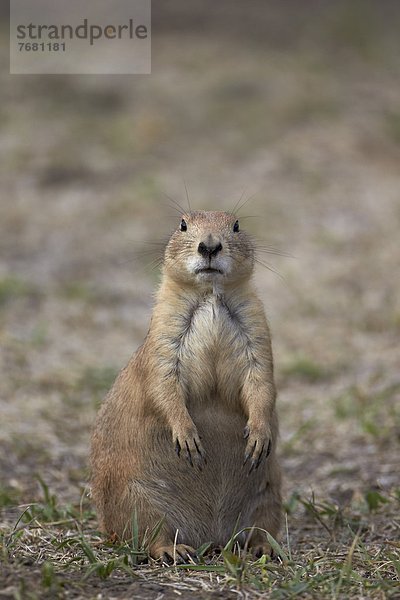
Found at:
<point>236,227</point>
<point>183,226</point>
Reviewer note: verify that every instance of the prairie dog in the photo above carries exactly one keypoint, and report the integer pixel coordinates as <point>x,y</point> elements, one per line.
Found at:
<point>187,435</point>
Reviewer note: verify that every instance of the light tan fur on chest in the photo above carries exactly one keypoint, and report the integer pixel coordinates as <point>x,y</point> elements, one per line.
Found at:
<point>211,351</point>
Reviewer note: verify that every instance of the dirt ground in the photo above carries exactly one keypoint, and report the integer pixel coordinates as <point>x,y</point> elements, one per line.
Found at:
<point>298,110</point>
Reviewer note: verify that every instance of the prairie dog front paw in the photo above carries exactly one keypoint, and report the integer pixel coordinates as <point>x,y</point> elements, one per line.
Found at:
<point>258,445</point>
<point>187,443</point>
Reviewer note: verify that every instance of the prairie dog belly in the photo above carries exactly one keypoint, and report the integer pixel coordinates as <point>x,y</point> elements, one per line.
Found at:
<point>205,505</point>
<point>222,432</point>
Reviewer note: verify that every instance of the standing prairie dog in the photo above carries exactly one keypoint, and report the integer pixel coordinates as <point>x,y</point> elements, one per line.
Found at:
<point>187,435</point>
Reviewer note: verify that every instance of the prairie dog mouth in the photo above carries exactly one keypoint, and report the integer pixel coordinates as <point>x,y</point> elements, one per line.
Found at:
<point>208,270</point>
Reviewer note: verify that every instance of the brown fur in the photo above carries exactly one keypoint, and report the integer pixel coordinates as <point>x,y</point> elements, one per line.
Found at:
<point>203,375</point>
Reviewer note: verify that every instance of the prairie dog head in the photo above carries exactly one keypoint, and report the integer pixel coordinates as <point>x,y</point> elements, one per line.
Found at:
<point>209,249</point>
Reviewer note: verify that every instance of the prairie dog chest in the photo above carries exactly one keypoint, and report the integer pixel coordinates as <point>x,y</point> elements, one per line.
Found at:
<point>211,325</point>
<point>213,350</point>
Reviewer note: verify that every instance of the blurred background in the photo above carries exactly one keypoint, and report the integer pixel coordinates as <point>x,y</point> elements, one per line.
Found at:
<point>295,107</point>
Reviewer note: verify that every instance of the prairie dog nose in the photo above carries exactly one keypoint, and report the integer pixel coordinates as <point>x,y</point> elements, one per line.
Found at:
<point>209,248</point>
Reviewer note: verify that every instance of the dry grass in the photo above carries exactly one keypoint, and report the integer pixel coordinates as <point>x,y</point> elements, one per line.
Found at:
<point>329,551</point>
<point>306,117</point>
